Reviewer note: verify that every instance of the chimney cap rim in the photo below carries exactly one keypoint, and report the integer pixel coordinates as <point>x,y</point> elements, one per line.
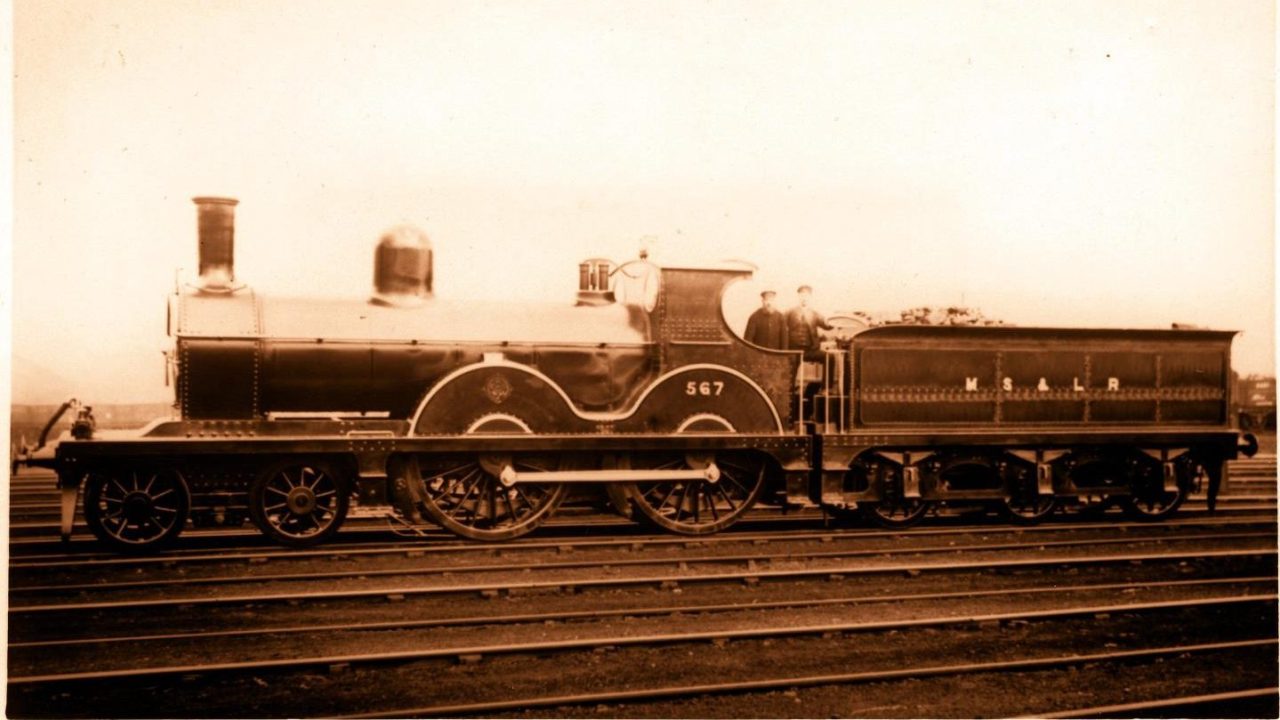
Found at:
<point>213,200</point>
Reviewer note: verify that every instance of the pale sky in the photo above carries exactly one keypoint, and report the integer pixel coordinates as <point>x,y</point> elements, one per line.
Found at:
<point>1065,163</point>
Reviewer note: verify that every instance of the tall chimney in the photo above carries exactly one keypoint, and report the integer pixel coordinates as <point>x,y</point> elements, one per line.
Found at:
<point>217,223</point>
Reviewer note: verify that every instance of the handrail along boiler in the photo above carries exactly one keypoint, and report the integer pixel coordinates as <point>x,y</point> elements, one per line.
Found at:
<point>482,418</point>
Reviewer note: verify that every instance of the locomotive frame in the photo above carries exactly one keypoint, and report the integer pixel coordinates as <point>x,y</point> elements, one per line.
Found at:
<point>684,423</point>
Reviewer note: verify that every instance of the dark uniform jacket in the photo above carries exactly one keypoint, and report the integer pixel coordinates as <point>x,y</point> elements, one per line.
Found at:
<point>802,331</point>
<point>767,327</point>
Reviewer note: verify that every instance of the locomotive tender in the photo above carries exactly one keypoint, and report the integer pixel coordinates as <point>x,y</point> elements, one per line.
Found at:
<point>479,420</point>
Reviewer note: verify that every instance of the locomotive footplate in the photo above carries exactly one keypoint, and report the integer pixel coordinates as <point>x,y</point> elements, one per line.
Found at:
<point>371,453</point>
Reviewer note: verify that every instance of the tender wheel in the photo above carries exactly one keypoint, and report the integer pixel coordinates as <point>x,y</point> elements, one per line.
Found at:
<point>860,477</point>
<point>1025,508</point>
<point>1100,478</point>
<point>1149,501</point>
<point>1024,505</point>
<point>894,510</point>
<point>697,507</point>
<point>299,503</point>
<point>465,496</point>
<point>899,513</point>
<point>136,510</point>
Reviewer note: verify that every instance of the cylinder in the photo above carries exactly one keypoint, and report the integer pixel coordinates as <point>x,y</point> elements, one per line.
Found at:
<point>602,276</point>
<point>217,228</point>
<point>584,276</point>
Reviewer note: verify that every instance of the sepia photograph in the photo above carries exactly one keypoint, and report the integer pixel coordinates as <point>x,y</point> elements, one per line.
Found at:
<point>641,359</point>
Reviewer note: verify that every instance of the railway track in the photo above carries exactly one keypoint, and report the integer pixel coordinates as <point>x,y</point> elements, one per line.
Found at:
<point>758,557</point>
<point>779,619</point>
<point>561,702</point>
<point>116,640</point>
<point>688,575</point>
<point>84,561</point>
<point>473,652</point>
<point>1254,702</point>
<point>839,638</point>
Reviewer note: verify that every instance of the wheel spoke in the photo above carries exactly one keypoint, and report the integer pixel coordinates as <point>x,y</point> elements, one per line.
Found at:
<point>684,496</point>
<point>470,488</point>
<point>536,498</point>
<point>711,503</point>
<point>447,472</point>
<point>491,500</point>
<point>511,509</point>
<point>734,480</point>
<point>459,481</point>
<point>671,489</point>
<point>732,507</point>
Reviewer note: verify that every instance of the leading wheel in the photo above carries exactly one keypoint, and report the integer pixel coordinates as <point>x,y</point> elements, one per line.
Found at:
<point>299,503</point>
<point>136,510</point>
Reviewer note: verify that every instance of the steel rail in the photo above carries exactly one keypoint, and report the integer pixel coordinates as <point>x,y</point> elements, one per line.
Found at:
<point>635,542</point>
<point>660,580</point>
<point>786,683</point>
<point>472,651</point>
<point>1130,709</point>
<point>522,618</point>
<point>51,505</point>
<point>768,557</point>
<point>758,514</point>
<point>55,508</point>
<point>220,536</point>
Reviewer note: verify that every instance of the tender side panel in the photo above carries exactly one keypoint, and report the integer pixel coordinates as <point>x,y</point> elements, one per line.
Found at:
<point>1002,376</point>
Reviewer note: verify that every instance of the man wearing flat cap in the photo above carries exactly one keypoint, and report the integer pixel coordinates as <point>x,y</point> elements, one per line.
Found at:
<point>802,326</point>
<point>767,327</point>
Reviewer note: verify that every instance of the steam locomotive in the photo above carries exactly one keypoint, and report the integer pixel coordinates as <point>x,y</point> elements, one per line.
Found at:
<point>293,410</point>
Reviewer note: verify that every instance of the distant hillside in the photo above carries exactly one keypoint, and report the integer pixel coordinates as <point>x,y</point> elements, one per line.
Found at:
<point>27,420</point>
